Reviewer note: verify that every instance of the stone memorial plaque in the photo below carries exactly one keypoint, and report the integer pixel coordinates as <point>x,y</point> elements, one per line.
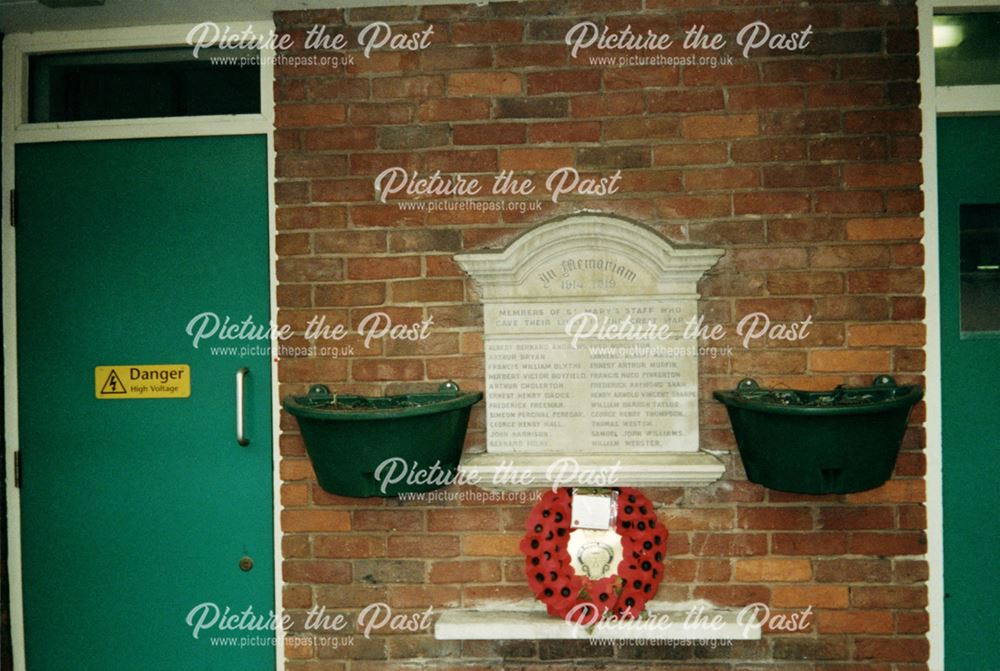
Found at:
<point>583,325</point>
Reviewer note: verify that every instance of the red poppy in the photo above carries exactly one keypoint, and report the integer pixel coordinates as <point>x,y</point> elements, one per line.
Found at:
<point>553,580</point>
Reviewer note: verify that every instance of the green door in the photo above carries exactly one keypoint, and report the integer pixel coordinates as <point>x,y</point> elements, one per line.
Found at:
<point>969,214</point>
<point>135,511</point>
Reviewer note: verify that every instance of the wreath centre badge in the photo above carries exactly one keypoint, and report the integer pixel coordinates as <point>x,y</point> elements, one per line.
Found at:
<point>594,553</point>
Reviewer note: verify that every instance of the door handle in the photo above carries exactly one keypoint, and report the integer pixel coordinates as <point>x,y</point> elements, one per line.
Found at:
<point>241,375</point>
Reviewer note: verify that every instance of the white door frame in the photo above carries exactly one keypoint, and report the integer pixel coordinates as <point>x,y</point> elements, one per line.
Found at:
<point>17,48</point>
<point>939,101</point>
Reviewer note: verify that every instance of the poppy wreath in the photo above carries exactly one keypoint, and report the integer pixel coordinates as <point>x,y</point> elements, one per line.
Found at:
<point>568,595</point>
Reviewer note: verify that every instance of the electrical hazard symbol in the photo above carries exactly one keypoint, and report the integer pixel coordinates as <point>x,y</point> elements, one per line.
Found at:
<point>171,380</point>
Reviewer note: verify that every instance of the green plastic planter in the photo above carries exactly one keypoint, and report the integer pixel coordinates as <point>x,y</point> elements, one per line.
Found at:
<point>386,445</point>
<point>835,442</point>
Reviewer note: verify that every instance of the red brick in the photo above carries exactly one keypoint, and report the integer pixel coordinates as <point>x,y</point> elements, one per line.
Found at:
<point>488,134</point>
<point>388,520</point>
<point>291,193</point>
<point>491,545</point>
<point>452,109</point>
<point>384,113</point>
<point>563,81</point>
<point>564,132</point>
<point>485,32</point>
<point>387,369</point>
<point>854,622</point>
<point>720,126</point>
<point>456,58</point>
<point>483,83</point>
<point>805,283</point>
<point>469,160</point>
<point>737,596</point>
<point>347,137</point>
<point>605,104</point>
<point>892,649</point>
<point>341,190</point>
<point>309,115</point>
<point>739,73</point>
<point>456,367</point>
<point>880,596</point>
<point>698,518</point>
<point>296,469</point>
<point>856,517</point>
<point>768,258</point>
<point>429,545</point>
<point>848,149</point>
<point>693,207</point>
<point>712,179</point>
<point>893,491</point>
<point>465,571</point>
<point>813,544</point>
<point>817,596</point>
<point>886,334</point>
<point>886,544</point>
<point>770,150</point>
<point>291,244</point>
<point>849,361</point>
<point>348,546</point>
<point>850,256</point>
<point>770,202</point>
<point>912,622</point>
<point>798,71</point>
<point>726,233</point>
<point>728,545</point>
<point>322,165</point>
<point>472,519</point>
<point>422,87</point>
<point>326,571</point>
<point>640,77</point>
<point>908,255</point>
<point>889,228</point>
<point>697,100</point>
<point>885,281</point>
<point>689,154</point>
<point>774,518</point>
<point>881,175</point>
<point>528,55</point>
<point>796,122</point>
<point>315,520</point>
<point>294,495</point>
<point>349,294</point>
<point>790,176</point>
<point>843,96</point>
<point>427,291</point>
<point>764,97</point>
<point>772,570</point>
<point>758,363</point>
<point>882,121</point>
<point>321,216</point>
<point>377,268</point>
<point>848,202</point>
<point>442,266</point>
<point>535,159</point>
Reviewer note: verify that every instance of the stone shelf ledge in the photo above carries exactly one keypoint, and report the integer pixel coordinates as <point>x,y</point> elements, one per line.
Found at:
<point>505,470</point>
<point>527,620</point>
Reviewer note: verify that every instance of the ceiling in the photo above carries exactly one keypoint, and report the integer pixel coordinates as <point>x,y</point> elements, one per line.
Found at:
<point>30,15</point>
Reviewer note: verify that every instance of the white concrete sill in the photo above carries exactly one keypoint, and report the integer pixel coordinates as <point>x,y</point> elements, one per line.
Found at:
<point>492,470</point>
<point>527,620</point>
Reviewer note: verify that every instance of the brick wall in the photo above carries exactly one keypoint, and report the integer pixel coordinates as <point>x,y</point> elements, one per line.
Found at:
<point>803,166</point>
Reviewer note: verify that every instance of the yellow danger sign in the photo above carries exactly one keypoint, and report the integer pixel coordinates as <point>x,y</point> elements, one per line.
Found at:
<point>170,380</point>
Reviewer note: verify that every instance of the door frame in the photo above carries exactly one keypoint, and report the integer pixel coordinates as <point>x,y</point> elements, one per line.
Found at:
<point>939,101</point>
<point>17,48</point>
